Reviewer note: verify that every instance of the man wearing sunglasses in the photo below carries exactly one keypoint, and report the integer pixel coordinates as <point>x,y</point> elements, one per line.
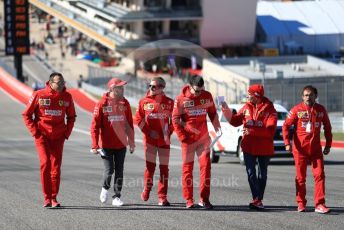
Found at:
<point>154,119</point>
<point>50,107</point>
<point>189,119</point>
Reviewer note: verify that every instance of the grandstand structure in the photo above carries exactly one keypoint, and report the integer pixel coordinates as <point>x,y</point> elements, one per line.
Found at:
<point>283,78</point>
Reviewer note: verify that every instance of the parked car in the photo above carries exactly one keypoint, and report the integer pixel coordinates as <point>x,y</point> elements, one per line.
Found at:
<point>230,141</point>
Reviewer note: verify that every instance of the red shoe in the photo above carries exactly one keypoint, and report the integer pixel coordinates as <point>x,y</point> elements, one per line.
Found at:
<point>189,204</point>
<point>301,207</point>
<point>145,195</point>
<point>321,208</point>
<point>256,204</point>
<point>55,203</point>
<point>164,202</point>
<point>47,203</point>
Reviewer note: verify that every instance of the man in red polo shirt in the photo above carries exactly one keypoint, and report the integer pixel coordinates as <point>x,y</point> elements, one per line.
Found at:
<point>50,107</point>
<point>189,119</point>
<point>154,118</point>
<point>307,118</point>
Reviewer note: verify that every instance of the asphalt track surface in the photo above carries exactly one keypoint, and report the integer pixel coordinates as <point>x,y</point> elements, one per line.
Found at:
<point>21,198</point>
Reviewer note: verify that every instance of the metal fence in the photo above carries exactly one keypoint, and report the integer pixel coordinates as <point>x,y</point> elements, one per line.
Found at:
<point>288,91</point>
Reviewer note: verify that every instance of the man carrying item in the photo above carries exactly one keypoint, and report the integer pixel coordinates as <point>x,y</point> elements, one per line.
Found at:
<point>307,118</point>
<point>154,118</point>
<point>259,118</point>
<point>50,107</point>
<point>112,130</point>
<point>189,119</point>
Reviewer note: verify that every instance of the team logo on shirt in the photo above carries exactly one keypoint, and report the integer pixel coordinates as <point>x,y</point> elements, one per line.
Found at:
<point>121,108</point>
<point>44,101</point>
<point>188,104</point>
<point>202,101</point>
<point>107,109</point>
<point>302,114</point>
<point>164,106</point>
<point>148,106</point>
<point>61,103</point>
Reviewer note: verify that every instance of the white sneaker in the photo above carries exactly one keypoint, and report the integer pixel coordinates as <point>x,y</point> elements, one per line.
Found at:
<point>117,202</point>
<point>103,195</point>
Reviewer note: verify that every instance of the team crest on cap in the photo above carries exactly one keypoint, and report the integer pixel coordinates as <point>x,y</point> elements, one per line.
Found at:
<point>44,101</point>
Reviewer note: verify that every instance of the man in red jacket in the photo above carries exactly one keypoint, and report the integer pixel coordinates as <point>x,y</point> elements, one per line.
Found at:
<point>259,118</point>
<point>50,107</point>
<point>154,118</point>
<point>189,119</point>
<point>111,131</point>
<point>307,118</point>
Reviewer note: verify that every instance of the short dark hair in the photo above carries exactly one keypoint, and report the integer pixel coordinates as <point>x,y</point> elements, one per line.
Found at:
<point>310,88</point>
<point>53,74</point>
<point>160,81</point>
<point>196,80</point>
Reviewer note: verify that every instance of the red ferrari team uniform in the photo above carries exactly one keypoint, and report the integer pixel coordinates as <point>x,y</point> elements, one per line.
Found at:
<point>260,122</point>
<point>112,124</point>
<point>190,124</point>
<point>307,121</point>
<point>154,114</point>
<point>50,109</point>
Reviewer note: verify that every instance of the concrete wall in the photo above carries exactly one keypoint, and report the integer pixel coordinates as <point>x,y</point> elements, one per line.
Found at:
<point>228,22</point>
<point>221,81</point>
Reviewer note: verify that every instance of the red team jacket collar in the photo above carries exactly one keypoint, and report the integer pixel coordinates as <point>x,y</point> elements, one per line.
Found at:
<point>187,93</point>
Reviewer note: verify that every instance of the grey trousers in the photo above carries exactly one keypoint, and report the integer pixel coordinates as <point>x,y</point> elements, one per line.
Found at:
<point>114,162</point>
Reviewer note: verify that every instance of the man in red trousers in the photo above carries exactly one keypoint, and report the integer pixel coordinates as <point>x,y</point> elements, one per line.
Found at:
<point>189,119</point>
<point>307,118</point>
<point>50,107</point>
<point>154,118</point>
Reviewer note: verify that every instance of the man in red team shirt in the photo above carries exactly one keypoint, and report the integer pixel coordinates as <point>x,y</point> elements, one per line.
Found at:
<point>154,118</point>
<point>307,118</point>
<point>259,119</point>
<point>50,107</point>
<point>189,119</point>
<point>111,131</point>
